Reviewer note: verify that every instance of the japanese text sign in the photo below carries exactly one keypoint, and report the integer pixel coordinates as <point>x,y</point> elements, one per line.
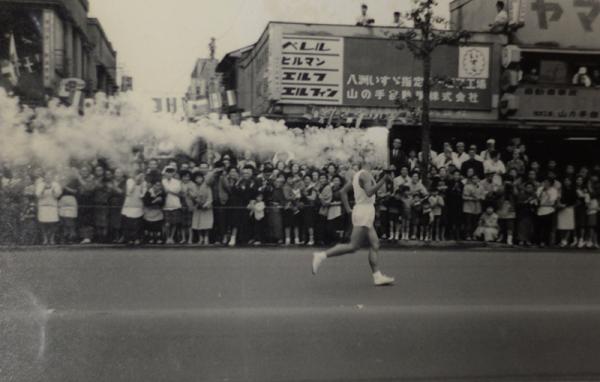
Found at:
<point>311,69</point>
<point>387,75</point>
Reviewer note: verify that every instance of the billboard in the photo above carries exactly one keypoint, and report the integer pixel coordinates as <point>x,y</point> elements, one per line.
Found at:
<point>545,22</point>
<point>547,103</point>
<point>312,69</point>
<point>21,48</point>
<point>388,75</point>
<point>367,72</point>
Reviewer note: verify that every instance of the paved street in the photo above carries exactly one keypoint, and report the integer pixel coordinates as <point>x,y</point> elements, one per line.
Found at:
<point>259,315</point>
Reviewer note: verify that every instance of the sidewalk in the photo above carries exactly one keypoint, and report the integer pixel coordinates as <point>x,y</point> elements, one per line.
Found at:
<point>409,244</point>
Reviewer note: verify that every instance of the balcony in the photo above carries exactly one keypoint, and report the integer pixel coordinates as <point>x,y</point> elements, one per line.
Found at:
<point>557,103</point>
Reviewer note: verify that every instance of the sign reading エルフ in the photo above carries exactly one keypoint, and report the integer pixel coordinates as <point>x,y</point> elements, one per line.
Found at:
<point>311,69</point>
<point>370,72</point>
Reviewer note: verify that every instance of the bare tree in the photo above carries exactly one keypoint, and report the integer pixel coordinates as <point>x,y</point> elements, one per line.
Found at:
<point>422,40</point>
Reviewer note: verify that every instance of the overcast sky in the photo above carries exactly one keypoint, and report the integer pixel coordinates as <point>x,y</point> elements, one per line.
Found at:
<point>158,41</point>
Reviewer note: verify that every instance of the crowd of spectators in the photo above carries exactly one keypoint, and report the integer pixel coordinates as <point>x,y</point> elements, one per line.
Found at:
<point>490,195</point>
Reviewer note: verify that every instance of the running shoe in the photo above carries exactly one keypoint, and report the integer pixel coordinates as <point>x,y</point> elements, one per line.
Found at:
<point>318,258</point>
<point>380,279</point>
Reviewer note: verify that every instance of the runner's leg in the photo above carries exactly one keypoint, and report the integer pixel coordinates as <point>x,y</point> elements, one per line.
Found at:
<point>373,249</point>
<point>359,234</point>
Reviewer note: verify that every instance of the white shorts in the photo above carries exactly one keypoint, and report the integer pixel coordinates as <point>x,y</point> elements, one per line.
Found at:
<point>363,215</point>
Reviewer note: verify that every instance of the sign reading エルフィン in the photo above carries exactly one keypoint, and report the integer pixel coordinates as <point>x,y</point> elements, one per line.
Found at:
<point>338,71</point>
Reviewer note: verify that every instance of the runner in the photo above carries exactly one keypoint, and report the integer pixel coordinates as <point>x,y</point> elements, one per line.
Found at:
<point>363,217</point>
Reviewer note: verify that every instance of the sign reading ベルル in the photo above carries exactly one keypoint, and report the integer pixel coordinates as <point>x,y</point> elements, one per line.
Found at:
<point>389,76</point>
<point>311,69</point>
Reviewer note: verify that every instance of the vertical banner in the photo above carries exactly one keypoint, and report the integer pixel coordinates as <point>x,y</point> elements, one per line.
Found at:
<point>231,98</point>
<point>215,101</point>
<point>48,24</point>
<point>312,69</point>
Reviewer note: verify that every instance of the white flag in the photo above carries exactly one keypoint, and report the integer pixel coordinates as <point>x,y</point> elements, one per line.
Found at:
<point>12,54</point>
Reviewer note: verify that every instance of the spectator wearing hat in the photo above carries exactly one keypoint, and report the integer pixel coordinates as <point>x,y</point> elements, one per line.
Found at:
<point>172,207</point>
<point>490,146</point>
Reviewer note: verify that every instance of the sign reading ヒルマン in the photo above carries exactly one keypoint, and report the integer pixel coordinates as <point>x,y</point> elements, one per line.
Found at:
<point>370,72</point>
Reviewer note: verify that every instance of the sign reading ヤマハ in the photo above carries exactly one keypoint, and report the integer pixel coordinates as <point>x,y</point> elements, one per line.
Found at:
<point>311,69</point>
<point>545,21</point>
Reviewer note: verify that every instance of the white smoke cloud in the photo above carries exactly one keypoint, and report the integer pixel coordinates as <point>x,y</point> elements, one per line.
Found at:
<point>54,135</point>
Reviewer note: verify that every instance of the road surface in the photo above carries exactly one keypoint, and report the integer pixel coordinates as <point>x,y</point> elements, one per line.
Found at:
<point>85,314</point>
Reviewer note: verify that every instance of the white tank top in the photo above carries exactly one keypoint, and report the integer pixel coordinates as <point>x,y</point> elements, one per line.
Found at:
<point>360,196</point>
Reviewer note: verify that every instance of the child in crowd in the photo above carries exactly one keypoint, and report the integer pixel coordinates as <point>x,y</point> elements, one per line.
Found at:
<point>488,228</point>
<point>436,201</point>
<point>406,212</point>
<point>257,213</point>
<point>425,221</point>
<point>154,200</point>
<point>394,209</point>
<point>593,207</point>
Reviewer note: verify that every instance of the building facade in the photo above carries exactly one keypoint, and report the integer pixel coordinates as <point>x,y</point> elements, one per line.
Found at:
<point>314,74</point>
<point>550,71</point>
<point>46,42</point>
<point>102,72</point>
